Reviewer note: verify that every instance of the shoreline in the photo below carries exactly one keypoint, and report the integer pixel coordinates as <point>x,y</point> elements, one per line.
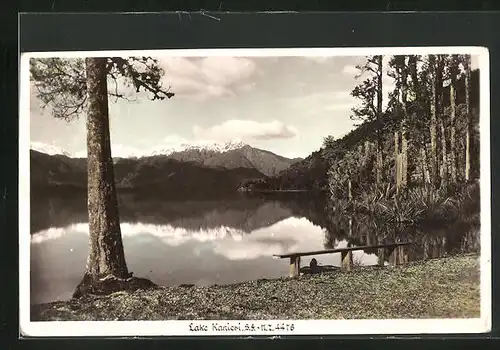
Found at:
<point>438,288</point>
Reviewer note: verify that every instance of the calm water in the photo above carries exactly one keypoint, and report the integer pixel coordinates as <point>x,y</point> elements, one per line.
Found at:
<point>204,242</point>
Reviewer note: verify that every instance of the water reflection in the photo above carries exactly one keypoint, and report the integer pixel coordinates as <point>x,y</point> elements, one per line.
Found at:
<point>213,242</point>
<point>430,241</point>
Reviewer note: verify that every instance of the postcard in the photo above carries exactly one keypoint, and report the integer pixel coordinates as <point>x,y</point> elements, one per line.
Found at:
<point>255,192</point>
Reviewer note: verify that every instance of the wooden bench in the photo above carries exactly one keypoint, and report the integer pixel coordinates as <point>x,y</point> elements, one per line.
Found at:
<point>346,255</point>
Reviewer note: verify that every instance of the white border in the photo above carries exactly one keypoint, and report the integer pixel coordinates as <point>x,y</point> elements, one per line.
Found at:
<point>181,328</point>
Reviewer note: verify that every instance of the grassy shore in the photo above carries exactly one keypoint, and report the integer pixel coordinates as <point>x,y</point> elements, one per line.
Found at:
<point>447,287</point>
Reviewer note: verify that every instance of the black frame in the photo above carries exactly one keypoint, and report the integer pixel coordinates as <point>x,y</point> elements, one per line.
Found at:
<point>203,29</point>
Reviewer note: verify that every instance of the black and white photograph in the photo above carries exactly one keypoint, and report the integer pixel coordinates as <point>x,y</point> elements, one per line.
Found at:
<point>255,191</point>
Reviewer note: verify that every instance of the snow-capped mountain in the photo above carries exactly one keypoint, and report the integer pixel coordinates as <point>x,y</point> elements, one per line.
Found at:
<point>189,171</point>
<point>198,146</point>
<point>120,151</point>
<point>228,155</point>
<point>49,149</point>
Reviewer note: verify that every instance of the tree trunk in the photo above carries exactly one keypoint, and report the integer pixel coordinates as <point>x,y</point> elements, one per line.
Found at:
<point>468,116</point>
<point>453,146</point>
<point>106,254</point>
<point>396,143</point>
<point>444,161</point>
<point>412,65</point>
<point>425,168</point>
<point>380,159</point>
<point>440,115</point>
<point>399,171</point>
<point>404,158</point>
<point>349,188</point>
<point>367,152</point>
<point>350,226</point>
<point>396,160</point>
<point>413,72</point>
<point>404,140</point>
<point>433,126</point>
<point>366,159</point>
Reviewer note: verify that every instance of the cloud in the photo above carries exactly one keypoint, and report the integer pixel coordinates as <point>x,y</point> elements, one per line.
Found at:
<point>318,59</point>
<point>208,76</point>
<point>174,140</point>
<point>247,87</point>
<point>229,242</point>
<point>329,106</point>
<point>388,83</point>
<point>246,130</point>
<point>293,155</point>
<point>350,69</point>
<point>321,100</point>
<point>339,107</point>
<point>227,70</point>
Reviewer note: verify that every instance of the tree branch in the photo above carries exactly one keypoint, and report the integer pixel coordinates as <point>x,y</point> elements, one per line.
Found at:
<point>148,81</point>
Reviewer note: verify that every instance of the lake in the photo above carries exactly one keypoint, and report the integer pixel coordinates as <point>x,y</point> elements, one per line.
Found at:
<point>212,241</point>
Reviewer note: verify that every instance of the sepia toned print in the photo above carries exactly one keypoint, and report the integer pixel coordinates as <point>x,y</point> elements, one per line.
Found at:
<point>245,192</point>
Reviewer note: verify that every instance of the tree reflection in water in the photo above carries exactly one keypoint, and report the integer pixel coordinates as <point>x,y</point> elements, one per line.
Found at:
<point>429,241</point>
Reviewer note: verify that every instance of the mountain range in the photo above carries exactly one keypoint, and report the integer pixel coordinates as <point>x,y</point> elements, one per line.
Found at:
<point>189,169</point>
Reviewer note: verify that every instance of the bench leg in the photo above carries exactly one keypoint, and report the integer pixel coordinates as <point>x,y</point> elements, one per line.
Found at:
<point>294,266</point>
<point>381,256</point>
<point>393,256</point>
<point>402,255</point>
<point>405,255</point>
<point>346,261</point>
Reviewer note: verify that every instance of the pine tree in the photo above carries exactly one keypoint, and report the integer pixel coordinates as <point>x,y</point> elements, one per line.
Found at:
<point>75,87</point>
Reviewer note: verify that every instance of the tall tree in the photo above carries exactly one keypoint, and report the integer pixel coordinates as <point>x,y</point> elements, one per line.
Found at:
<point>399,108</point>
<point>433,121</point>
<point>420,113</point>
<point>370,93</point>
<point>73,87</point>
<point>394,109</point>
<point>380,94</point>
<point>453,71</point>
<point>416,116</point>
<point>106,255</point>
<point>468,114</point>
<point>403,76</point>
<point>440,65</point>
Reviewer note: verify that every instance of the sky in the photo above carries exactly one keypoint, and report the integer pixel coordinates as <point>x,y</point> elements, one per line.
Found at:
<point>286,105</point>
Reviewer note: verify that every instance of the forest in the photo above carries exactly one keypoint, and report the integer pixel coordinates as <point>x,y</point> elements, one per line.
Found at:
<point>413,158</point>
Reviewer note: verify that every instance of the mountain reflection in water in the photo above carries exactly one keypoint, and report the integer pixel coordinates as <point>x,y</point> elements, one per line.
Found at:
<point>210,241</point>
